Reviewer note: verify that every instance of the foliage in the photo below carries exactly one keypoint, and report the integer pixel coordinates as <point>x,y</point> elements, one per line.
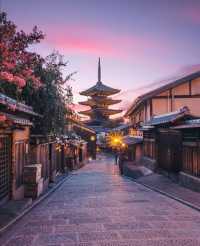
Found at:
<point>16,63</point>
<point>51,98</point>
<point>26,76</point>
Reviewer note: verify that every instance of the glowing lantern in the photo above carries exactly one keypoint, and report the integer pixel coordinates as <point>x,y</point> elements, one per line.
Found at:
<point>115,140</point>
<point>92,138</point>
<point>123,145</point>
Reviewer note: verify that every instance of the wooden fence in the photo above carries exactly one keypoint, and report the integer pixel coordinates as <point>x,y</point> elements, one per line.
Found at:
<point>191,158</point>
<point>149,148</point>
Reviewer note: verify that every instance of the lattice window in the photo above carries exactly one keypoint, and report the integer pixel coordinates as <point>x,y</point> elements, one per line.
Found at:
<point>20,160</point>
<point>5,160</point>
<point>191,160</point>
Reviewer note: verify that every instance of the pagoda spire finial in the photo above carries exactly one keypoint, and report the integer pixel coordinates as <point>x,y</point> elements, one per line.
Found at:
<point>99,70</point>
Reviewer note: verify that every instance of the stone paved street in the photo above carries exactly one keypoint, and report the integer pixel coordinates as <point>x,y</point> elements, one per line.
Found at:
<point>98,207</point>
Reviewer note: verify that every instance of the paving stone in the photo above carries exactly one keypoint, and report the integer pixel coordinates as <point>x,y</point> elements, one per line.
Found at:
<point>79,228</point>
<point>56,238</point>
<point>146,234</point>
<point>35,229</point>
<point>130,226</point>
<point>98,207</point>
<point>23,240</point>
<point>89,220</point>
<point>169,242</point>
<point>98,236</point>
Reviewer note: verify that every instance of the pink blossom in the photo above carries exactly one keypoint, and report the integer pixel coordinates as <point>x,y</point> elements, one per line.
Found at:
<point>19,81</point>
<point>35,80</point>
<point>6,76</point>
<point>2,118</point>
<point>28,72</point>
<point>8,65</point>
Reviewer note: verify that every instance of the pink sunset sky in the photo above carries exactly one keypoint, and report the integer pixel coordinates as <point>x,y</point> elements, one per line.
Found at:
<point>139,41</point>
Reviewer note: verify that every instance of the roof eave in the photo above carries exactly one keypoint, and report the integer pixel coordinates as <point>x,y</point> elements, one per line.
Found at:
<point>150,94</point>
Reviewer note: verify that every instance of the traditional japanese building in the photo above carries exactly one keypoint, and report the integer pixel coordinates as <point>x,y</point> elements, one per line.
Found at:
<point>184,91</point>
<point>99,101</point>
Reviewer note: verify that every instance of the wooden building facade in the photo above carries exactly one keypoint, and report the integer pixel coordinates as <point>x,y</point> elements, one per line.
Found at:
<point>159,115</point>
<point>190,168</point>
<point>171,142</point>
<point>28,163</point>
<point>178,93</point>
<point>85,132</point>
<point>15,124</point>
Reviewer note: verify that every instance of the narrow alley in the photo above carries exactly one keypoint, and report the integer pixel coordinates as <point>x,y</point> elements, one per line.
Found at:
<point>98,207</point>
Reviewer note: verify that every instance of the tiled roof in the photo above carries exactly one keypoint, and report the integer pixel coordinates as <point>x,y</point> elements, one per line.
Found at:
<point>14,105</point>
<point>104,111</point>
<point>194,123</point>
<point>93,102</point>
<point>84,127</point>
<point>159,90</point>
<point>168,118</point>
<point>18,120</point>
<point>130,140</point>
<point>99,88</point>
<point>122,127</point>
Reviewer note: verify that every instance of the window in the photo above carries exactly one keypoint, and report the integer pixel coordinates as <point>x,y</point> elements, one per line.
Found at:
<point>20,160</point>
<point>5,160</point>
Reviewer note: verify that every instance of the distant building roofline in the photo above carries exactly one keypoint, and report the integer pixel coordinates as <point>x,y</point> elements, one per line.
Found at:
<point>137,102</point>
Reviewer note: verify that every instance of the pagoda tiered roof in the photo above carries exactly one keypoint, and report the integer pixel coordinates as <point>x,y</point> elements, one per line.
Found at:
<point>99,89</point>
<point>106,101</point>
<point>99,102</point>
<point>103,111</point>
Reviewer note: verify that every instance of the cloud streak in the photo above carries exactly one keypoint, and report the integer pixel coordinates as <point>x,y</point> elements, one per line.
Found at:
<point>89,40</point>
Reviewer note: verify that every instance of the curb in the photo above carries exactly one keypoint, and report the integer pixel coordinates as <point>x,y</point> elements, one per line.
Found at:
<point>34,204</point>
<point>197,208</point>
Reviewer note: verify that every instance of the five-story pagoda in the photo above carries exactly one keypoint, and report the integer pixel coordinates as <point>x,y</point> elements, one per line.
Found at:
<point>99,102</point>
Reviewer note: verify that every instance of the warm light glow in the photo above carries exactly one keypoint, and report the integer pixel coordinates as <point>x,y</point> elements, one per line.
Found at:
<point>115,140</point>
<point>92,138</point>
<point>123,145</point>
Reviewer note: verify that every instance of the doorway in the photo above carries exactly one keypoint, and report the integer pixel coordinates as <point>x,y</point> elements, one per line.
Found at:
<point>170,150</point>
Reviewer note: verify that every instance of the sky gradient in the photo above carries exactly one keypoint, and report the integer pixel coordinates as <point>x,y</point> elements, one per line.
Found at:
<point>139,41</point>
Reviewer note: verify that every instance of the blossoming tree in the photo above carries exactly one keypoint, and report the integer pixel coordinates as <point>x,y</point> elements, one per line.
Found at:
<point>38,82</point>
<point>16,62</point>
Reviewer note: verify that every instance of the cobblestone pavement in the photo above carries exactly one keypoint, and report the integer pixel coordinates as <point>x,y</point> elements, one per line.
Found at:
<point>98,207</point>
<point>164,184</point>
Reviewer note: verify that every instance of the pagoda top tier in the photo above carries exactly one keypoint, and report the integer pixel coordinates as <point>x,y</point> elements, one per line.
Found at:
<point>99,89</point>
